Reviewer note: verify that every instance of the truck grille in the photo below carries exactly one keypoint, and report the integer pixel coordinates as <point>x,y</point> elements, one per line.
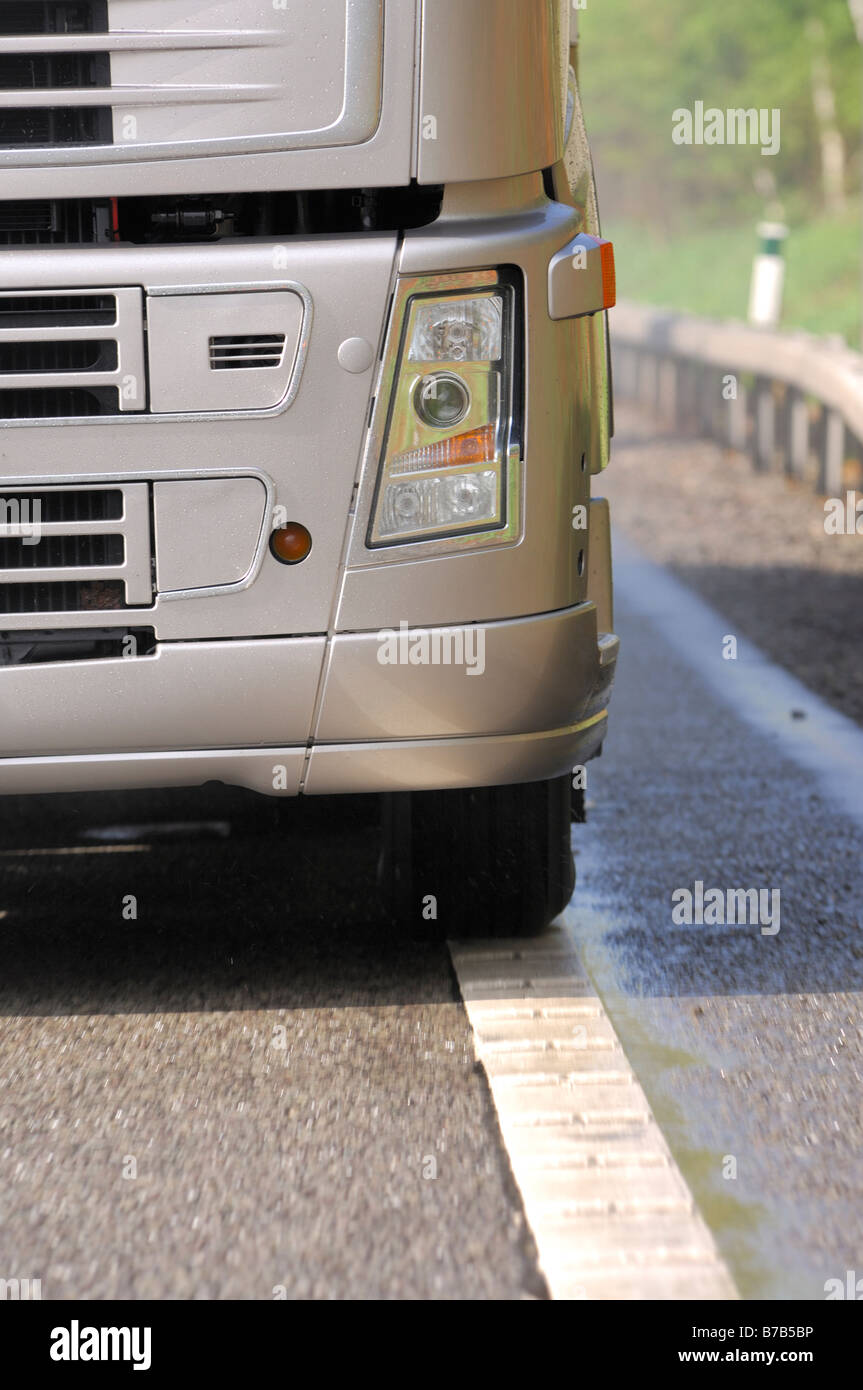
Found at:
<point>58,120</point>
<point>71,353</point>
<point>75,549</point>
<point>146,78</point>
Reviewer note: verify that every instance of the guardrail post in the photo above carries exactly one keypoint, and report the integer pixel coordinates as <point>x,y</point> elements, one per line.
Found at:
<point>714,403</point>
<point>625,370</point>
<point>798,435</point>
<point>738,419</point>
<point>687,396</point>
<point>647,375</point>
<point>833,456</point>
<point>668,389</point>
<point>765,426</point>
<point>703,402</point>
<point>782,421</point>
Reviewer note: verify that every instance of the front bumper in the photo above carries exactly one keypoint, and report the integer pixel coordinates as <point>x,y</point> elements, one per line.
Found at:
<point>317,715</point>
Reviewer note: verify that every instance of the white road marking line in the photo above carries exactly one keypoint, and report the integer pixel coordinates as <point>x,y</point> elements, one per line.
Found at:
<point>610,1211</point>
<point>75,849</point>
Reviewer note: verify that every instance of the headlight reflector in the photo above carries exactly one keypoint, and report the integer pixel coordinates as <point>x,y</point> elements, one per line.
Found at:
<point>468,329</point>
<point>434,503</point>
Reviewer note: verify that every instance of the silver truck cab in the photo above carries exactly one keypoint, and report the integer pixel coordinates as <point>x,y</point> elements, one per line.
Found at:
<point>303,382</point>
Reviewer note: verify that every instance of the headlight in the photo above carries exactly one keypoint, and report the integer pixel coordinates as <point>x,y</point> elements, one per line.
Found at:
<point>446,448</point>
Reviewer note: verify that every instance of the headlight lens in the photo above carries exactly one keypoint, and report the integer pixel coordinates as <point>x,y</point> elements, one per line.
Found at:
<point>468,329</point>
<point>441,400</point>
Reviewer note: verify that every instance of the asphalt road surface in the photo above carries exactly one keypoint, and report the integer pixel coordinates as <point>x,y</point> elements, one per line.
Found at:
<point>223,1076</point>
<point>279,1068</point>
<point>747,1041</point>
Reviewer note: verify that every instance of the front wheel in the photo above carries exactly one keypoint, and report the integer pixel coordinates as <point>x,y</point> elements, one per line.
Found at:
<point>490,861</point>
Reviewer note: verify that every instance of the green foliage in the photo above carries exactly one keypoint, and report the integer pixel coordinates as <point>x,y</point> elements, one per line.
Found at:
<point>707,271</point>
<point>642,59</point>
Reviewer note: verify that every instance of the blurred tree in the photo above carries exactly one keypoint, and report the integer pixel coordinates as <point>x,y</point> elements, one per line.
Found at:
<point>643,59</point>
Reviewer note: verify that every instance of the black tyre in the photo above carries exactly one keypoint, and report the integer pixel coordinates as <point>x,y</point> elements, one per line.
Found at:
<point>491,861</point>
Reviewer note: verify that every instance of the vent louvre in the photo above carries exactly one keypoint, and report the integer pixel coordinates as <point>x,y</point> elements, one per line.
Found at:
<point>252,350</point>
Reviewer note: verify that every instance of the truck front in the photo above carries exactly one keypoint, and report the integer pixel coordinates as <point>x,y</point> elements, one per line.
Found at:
<point>303,380</point>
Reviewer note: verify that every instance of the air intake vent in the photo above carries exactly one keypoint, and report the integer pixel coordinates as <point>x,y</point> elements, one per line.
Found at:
<point>70,353</point>
<point>87,597</point>
<point>54,222</point>
<point>56,310</point>
<point>61,552</point>
<point>75,549</point>
<point>49,126</point>
<point>53,16</point>
<point>49,404</point>
<point>23,648</point>
<point>257,350</point>
<point>20,71</point>
<point>90,504</point>
<point>90,356</point>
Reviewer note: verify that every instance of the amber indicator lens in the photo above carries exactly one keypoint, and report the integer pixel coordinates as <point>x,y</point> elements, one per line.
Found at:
<point>291,543</point>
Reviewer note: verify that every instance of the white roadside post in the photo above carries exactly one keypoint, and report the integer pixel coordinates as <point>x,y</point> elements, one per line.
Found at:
<point>768,277</point>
